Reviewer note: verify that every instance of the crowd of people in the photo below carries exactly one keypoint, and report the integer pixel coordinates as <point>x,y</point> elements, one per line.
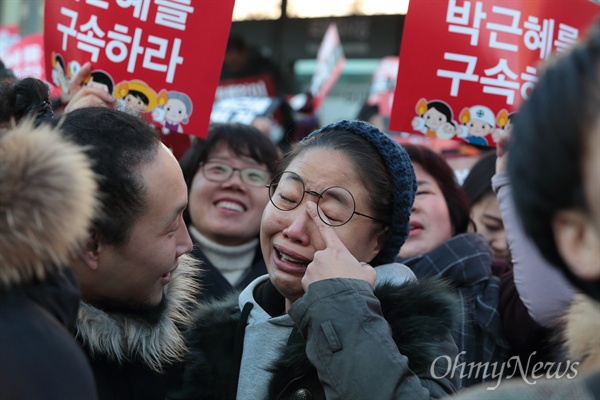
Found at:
<point>340,266</point>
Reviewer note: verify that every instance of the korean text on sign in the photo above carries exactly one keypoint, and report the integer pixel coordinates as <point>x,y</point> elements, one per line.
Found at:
<point>120,43</point>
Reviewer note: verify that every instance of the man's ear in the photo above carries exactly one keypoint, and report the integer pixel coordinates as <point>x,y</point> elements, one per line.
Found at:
<point>578,243</point>
<point>90,251</point>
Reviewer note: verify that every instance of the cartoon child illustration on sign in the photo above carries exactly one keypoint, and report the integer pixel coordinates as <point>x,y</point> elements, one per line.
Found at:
<point>60,75</point>
<point>506,122</point>
<point>175,111</point>
<point>478,125</point>
<point>139,98</point>
<point>434,119</point>
<point>447,131</point>
<point>101,79</point>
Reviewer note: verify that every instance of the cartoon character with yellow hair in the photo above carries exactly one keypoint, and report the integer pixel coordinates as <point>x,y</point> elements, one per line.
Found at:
<point>138,96</point>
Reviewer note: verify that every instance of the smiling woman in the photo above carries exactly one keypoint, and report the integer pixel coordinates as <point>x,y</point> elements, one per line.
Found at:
<point>226,176</point>
<point>318,324</point>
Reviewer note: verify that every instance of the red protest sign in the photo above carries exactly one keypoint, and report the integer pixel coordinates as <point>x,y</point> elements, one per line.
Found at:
<point>9,34</point>
<point>26,56</point>
<point>163,56</point>
<point>465,66</point>
<point>330,62</point>
<point>383,83</point>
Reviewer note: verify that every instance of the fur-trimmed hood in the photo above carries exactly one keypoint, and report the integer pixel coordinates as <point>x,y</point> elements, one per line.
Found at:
<point>582,333</point>
<point>121,338</point>
<point>47,199</point>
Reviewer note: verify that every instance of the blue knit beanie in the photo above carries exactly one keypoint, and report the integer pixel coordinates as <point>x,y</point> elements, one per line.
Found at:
<point>402,177</point>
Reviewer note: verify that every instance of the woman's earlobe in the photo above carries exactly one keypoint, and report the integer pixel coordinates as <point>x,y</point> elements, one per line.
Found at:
<point>380,241</point>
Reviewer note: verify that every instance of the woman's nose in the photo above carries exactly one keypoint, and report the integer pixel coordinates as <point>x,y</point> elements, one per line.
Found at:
<point>499,244</point>
<point>298,229</point>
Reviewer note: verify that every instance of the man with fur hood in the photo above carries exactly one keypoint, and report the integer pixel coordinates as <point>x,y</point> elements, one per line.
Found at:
<point>47,198</point>
<point>136,283</point>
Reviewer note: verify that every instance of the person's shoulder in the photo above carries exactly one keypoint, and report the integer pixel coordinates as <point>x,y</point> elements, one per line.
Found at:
<point>393,273</point>
<point>31,321</point>
<point>36,332</point>
<point>420,315</point>
<point>432,295</point>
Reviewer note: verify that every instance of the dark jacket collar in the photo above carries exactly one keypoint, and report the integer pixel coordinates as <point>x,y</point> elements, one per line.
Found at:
<point>269,299</point>
<point>58,294</point>
<point>214,283</point>
<point>464,259</point>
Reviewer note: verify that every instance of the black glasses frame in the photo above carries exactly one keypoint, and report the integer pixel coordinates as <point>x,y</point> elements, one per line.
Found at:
<point>319,196</point>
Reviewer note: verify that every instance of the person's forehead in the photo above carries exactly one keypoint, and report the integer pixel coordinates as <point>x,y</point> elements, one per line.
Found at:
<point>488,205</point>
<point>162,175</point>
<point>423,176</point>
<point>323,168</point>
<point>222,152</point>
<point>176,102</point>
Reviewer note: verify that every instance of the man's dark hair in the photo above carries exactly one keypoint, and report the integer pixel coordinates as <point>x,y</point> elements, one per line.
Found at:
<point>119,145</point>
<point>548,142</point>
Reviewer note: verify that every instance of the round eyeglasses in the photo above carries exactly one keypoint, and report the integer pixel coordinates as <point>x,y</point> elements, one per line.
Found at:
<point>336,203</point>
<point>220,172</point>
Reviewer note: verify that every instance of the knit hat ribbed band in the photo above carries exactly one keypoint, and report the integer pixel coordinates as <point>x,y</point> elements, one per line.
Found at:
<point>402,176</point>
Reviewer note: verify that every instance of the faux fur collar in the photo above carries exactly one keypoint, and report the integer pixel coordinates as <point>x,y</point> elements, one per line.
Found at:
<point>125,339</point>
